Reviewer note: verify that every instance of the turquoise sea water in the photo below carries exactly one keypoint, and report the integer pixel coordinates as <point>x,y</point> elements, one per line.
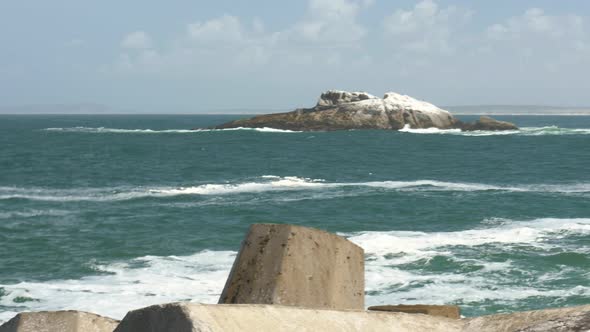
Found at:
<point>111,213</point>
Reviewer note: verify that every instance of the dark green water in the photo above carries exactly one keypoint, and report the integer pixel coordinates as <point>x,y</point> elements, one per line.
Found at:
<point>111,213</point>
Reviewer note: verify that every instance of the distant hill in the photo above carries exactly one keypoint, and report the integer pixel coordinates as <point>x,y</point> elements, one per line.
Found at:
<point>517,110</point>
<point>90,108</point>
<point>82,108</point>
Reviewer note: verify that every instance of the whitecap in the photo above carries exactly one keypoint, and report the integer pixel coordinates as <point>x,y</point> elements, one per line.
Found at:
<point>271,183</point>
<point>433,130</point>
<point>128,285</point>
<point>419,245</point>
<point>277,184</point>
<point>388,282</point>
<point>524,131</point>
<point>104,130</point>
<point>100,130</point>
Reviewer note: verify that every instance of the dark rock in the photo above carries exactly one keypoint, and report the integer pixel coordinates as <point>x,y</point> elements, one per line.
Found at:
<point>485,123</point>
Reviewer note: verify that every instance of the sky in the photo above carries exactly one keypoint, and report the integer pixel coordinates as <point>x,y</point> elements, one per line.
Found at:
<point>207,56</point>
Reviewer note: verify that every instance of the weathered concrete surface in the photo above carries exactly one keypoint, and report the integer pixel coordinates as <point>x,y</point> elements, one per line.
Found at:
<point>181,317</point>
<point>59,321</point>
<point>448,311</point>
<point>189,317</point>
<point>298,266</point>
<point>575,319</point>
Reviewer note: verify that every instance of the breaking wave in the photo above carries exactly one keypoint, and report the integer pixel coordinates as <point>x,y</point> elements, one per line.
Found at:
<point>122,286</point>
<point>270,183</point>
<point>103,130</point>
<point>525,131</point>
<point>407,129</point>
<point>397,263</point>
<point>400,268</point>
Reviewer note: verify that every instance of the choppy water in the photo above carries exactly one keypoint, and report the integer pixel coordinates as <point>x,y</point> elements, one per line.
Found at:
<point>111,213</point>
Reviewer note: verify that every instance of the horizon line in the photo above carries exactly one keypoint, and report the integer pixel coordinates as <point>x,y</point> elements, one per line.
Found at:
<point>106,109</point>
<point>155,113</point>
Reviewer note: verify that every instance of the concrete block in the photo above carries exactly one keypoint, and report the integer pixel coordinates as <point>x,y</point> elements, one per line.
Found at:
<point>191,317</point>
<point>448,311</point>
<point>298,266</point>
<point>59,321</point>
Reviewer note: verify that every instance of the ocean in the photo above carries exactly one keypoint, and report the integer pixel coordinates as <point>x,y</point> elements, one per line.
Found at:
<point>107,213</point>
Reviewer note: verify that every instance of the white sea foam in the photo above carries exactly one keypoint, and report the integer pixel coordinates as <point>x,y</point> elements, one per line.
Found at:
<point>387,251</point>
<point>388,284</point>
<point>73,195</point>
<point>553,130</point>
<point>262,130</point>
<point>117,130</point>
<point>271,130</point>
<point>468,291</point>
<point>277,183</point>
<point>102,130</point>
<point>134,284</point>
<point>418,245</point>
<point>408,129</point>
<point>200,277</point>
<point>524,131</point>
<point>270,183</point>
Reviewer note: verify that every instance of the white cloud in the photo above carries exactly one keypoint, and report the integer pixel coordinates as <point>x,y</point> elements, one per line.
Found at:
<point>331,21</point>
<point>535,24</point>
<point>532,56</point>
<point>257,25</point>
<point>330,35</point>
<point>367,3</point>
<point>498,31</point>
<point>138,40</point>
<point>424,14</point>
<point>224,29</point>
<point>426,28</point>
<point>324,36</point>
<point>526,55</point>
<point>331,10</point>
<point>541,42</point>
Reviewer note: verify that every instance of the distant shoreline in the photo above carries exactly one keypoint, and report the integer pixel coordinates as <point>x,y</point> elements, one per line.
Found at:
<point>245,114</point>
<point>525,114</point>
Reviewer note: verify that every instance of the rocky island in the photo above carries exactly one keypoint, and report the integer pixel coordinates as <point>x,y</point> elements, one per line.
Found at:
<point>343,110</point>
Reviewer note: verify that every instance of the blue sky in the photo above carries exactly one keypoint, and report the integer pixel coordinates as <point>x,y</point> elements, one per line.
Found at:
<point>203,56</point>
